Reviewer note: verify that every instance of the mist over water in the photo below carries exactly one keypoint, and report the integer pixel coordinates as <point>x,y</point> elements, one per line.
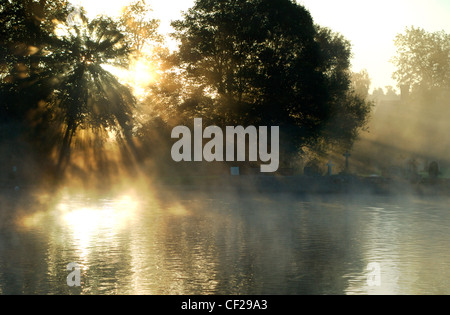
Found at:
<point>228,243</point>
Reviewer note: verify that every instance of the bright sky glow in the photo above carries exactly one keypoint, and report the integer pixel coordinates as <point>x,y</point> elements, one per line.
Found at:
<point>371,26</point>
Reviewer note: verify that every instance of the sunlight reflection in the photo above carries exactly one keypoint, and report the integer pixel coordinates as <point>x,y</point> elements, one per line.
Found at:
<point>110,214</point>
<point>93,225</point>
<point>84,219</point>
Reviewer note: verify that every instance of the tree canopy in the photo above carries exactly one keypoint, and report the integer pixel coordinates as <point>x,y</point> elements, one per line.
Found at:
<point>422,59</point>
<point>54,82</point>
<point>140,29</point>
<point>266,63</point>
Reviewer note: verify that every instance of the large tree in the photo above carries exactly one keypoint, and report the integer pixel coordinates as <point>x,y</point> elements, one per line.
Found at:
<point>56,85</point>
<point>264,62</point>
<point>25,32</point>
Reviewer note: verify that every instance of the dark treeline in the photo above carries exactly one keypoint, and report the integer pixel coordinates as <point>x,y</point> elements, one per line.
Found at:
<point>244,62</point>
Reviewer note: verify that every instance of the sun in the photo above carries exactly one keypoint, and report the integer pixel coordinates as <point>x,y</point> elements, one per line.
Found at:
<point>139,76</point>
<point>143,70</point>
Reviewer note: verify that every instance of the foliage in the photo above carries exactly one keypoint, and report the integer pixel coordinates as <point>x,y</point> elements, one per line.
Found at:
<point>422,59</point>
<point>56,84</point>
<point>138,27</point>
<point>241,62</point>
<point>361,83</point>
<point>264,62</point>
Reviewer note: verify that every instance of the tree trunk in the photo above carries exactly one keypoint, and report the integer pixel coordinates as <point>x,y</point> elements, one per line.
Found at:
<point>64,154</point>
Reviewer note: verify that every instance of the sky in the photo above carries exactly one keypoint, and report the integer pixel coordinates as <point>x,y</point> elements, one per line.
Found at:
<point>371,26</point>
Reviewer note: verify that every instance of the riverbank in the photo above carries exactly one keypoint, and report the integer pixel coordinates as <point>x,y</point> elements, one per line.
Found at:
<point>338,184</point>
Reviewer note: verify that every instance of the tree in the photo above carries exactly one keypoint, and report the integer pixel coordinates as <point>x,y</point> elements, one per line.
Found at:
<point>390,92</point>
<point>264,62</point>
<point>361,83</point>
<point>26,26</point>
<point>63,87</point>
<point>256,60</point>
<point>349,109</point>
<point>422,59</point>
<point>139,28</point>
<point>85,93</point>
<point>378,93</point>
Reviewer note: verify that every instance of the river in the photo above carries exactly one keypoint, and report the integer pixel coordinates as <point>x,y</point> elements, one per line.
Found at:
<point>227,243</point>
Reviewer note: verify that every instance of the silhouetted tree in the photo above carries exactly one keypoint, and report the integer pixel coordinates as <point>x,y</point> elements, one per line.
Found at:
<point>264,62</point>
<point>349,111</point>
<point>57,84</point>
<point>24,35</point>
<point>85,93</point>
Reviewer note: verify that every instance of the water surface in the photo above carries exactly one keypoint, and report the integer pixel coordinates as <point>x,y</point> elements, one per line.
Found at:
<point>227,244</point>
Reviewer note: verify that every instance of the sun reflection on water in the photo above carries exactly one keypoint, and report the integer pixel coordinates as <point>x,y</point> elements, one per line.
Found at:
<point>85,220</point>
